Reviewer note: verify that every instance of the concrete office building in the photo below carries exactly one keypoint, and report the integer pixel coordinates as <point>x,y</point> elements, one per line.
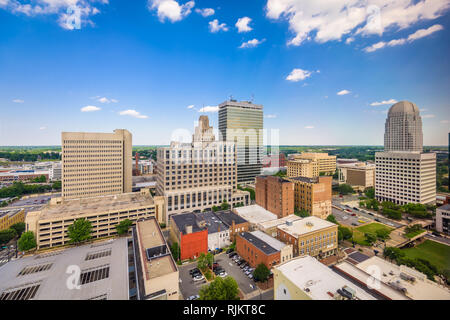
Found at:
<point>327,163</point>
<point>241,123</point>
<point>313,195</point>
<point>310,236</point>
<point>198,175</point>
<point>11,216</point>
<point>104,212</point>
<point>359,175</point>
<point>305,278</point>
<point>275,194</point>
<point>55,172</point>
<point>104,274</point>
<point>443,219</point>
<point>157,274</point>
<point>404,174</point>
<point>96,164</point>
<point>303,168</point>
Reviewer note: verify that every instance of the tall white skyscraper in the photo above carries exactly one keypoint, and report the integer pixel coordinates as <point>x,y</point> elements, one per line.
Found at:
<point>404,173</point>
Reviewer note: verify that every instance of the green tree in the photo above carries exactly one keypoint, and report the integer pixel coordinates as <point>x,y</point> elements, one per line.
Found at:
<point>382,233</point>
<point>175,249</point>
<point>345,233</point>
<point>370,237</point>
<point>123,226</point>
<point>224,206</point>
<point>261,273</point>
<point>19,227</point>
<point>56,185</point>
<point>209,259</point>
<point>220,289</point>
<point>40,179</point>
<point>215,208</point>
<point>27,241</point>
<point>345,189</point>
<point>332,219</point>
<point>370,192</point>
<point>7,235</point>
<point>301,213</point>
<point>202,262</point>
<point>79,231</point>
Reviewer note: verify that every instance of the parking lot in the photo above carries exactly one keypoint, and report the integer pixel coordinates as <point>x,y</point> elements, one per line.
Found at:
<point>189,287</point>
<point>33,201</point>
<point>347,218</point>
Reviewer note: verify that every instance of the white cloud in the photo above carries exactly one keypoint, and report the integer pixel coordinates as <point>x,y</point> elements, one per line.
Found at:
<point>72,14</point>
<point>209,109</point>
<point>18,100</point>
<point>170,9</point>
<point>251,43</point>
<point>90,109</point>
<point>270,116</point>
<point>106,100</point>
<point>421,33</point>
<point>42,128</point>
<point>132,113</point>
<point>445,121</point>
<point>384,102</point>
<point>214,26</point>
<point>242,24</point>
<point>190,106</point>
<point>349,40</point>
<point>309,127</point>
<point>343,92</point>
<point>325,20</point>
<point>428,116</point>
<point>206,12</point>
<point>298,75</point>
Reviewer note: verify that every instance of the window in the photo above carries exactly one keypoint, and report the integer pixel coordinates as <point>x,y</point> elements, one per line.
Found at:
<point>96,274</point>
<point>35,269</point>
<point>21,293</point>
<point>98,254</point>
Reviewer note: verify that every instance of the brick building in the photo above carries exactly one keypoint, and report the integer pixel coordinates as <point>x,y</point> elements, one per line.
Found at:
<point>190,234</point>
<point>275,194</point>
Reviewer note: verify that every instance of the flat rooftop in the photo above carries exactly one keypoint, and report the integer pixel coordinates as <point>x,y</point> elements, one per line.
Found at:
<point>274,223</point>
<point>228,217</point>
<point>306,272</point>
<point>445,207</point>
<point>110,203</point>
<point>187,219</point>
<point>274,243</point>
<point>9,212</point>
<point>306,225</point>
<point>109,257</point>
<point>305,179</point>
<point>151,241</point>
<point>257,242</point>
<point>255,214</point>
<point>213,223</point>
<point>420,289</point>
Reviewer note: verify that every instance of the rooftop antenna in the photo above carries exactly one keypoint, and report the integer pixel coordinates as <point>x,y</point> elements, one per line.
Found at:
<point>252,98</point>
<point>231,97</point>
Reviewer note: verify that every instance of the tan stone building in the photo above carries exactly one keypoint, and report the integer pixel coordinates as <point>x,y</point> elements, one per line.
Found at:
<point>310,236</point>
<point>11,216</point>
<point>198,175</point>
<point>96,164</point>
<point>51,223</point>
<point>326,163</point>
<point>157,273</point>
<point>303,168</point>
<point>313,195</point>
<point>359,175</point>
<point>275,194</point>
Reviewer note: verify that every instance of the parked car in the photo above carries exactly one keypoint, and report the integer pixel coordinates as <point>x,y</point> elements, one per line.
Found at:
<point>376,219</point>
<point>218,271</point>
<point>353,214</point>
<point>215,265</point>
<point>354,224</point>
<point>199,277</point>
<point>232,254</point>
<point>195,297</point>
<point>223,274</point>
<point>229,251</point>
<point>250,275</point>
<point>435,233</point>
<point>195,270</point>
<point>240,262</point>
<point>242,266</point>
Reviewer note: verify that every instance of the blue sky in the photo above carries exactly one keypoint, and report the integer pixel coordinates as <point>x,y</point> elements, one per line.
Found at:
<point>151,60</point>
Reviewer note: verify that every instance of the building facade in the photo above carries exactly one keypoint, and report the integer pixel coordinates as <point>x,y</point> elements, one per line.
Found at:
<point>96,164</point>
<point>327,163</point>
<point>313,195</point>
<point>198,175</point>
<point>443,219</point>
<point>310,236</point>
<point>404,173</point>
<point>303,168</point>
<point>55,172</point>
<point>359,175</point>
<point>275,194</point>
<point>11,216</point>
<point>242,123</point>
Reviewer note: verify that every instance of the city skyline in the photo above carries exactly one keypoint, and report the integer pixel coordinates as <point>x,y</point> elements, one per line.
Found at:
<point>151,70</point>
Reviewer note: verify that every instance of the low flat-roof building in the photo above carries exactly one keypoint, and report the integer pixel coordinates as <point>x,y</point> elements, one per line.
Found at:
<point>11,216</point>
<point>393,282</point>
<point>102,269</point>
<point>257,247</point>
<point>157,273</point>
<point>443,219</point>
<point>305,278</point>
<point>234,222</point>
<point>104,212</point>
<point>190,233</point>
<point>255,214</point>
<point>310,236</point>
<point>359,175</point>
<point>270,227</point>
<point>218,232</point>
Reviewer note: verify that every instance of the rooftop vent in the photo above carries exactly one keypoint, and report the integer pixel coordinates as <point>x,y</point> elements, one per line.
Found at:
<point>289,223</point>
<point>310,224</point>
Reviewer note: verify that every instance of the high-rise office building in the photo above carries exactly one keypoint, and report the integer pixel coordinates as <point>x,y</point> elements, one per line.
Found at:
<point>198,175</point>
<point>404,173</point>
<point>96,164</point>
<point>242,123</point>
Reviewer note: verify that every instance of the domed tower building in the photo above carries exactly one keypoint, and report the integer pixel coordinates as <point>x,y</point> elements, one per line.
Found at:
<point>404,173</point>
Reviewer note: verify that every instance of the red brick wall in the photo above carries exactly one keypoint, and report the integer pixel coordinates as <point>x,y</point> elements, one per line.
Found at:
<point>253,255</point>
<point>193,244</point>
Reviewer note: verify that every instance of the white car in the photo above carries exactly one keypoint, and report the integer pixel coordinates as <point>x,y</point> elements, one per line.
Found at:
<point>199,278</point>
<point>223,274</point>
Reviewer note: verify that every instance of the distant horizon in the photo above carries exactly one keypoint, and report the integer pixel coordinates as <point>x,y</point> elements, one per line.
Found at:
<point>281,145</point>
